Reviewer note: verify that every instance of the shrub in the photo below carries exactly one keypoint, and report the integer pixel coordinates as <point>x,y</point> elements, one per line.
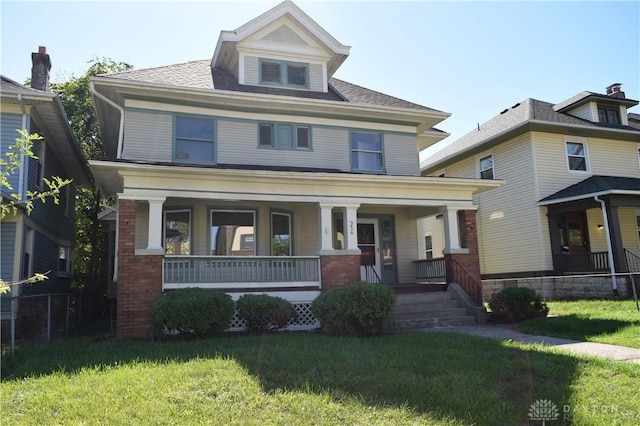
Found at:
<point>265,313</point>
<point>517,304</point>
<point>358,309</point>
<point>194,310</point>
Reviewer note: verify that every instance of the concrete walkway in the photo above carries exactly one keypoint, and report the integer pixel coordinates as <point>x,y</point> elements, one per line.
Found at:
<point>510,332</point>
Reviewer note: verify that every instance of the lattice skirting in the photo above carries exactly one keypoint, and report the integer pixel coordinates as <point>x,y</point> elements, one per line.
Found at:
<point>301,301</point>
<point>305,321</point>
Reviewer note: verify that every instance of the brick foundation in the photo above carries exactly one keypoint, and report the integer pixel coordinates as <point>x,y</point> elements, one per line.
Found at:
<point>339,270</point>
<point>139,279</point>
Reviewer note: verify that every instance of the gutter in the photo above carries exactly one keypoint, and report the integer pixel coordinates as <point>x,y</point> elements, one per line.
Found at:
<point>119,108</point>
<point>607,233</point>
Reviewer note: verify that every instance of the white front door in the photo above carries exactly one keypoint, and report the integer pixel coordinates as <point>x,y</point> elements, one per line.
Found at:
<point>369,245</point>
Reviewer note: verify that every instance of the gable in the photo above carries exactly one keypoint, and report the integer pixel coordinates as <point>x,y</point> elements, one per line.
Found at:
<point>284,34</point>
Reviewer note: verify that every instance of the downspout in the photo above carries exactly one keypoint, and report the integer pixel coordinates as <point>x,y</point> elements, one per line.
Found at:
<point>120,109</point>
<point>607,234</point>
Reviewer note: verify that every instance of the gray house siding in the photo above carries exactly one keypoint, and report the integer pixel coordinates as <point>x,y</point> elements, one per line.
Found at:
<point>149,136</point>
<point>9,123</point>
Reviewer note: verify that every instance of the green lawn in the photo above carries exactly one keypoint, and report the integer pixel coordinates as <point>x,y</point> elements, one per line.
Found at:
<point>616,322</point>
<point>312,379</point>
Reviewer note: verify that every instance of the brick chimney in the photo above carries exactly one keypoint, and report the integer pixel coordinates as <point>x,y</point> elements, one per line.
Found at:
<point>615,92</point>
<point>40,69</point>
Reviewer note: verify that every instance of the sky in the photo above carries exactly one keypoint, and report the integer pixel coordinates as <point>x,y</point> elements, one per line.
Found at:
<point>471,59</point>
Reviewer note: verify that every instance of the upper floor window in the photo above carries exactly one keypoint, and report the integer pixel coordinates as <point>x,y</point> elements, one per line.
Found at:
<point>195,142</point>
<point>40,150</point>
<point>284,136</point>
<point>366,152</point>
<point>284,73</point>
<point>609,115</point>
<point>577,156</point>
<point>486,167</point>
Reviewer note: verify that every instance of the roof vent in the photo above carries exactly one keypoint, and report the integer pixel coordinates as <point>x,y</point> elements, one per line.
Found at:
<point>503,111</point>
<point>516,105</point>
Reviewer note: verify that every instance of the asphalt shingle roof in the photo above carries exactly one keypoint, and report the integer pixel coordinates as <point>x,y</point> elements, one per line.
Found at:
<point>200,75</point>
<point>528,110</point>
<point>8,84</point>
<point>594,185</point>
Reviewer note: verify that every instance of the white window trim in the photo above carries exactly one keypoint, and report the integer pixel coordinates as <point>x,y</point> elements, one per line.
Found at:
<point>587,160</point>
<point>482,156</point>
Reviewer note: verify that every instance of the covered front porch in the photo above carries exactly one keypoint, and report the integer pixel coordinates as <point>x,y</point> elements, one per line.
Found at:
<point>593,223</point>
<point>294,234</point>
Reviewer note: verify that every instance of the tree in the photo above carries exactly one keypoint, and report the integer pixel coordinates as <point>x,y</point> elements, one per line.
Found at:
<point>10,164</point>
<point>92,244</point>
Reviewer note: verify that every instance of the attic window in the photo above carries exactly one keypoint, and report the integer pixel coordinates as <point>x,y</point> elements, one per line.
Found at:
<point>609,115</point>
<point>284,73</point>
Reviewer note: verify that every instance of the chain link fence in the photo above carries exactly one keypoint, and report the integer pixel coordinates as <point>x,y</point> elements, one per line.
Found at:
<point>38,317</point>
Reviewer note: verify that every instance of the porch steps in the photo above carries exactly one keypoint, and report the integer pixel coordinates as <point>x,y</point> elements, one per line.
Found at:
<point>429,309</point>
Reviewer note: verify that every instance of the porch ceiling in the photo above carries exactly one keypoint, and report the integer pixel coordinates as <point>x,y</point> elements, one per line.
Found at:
<point>140,181</point>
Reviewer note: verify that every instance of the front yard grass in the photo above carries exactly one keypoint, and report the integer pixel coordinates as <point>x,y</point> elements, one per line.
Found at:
<point>313,379</point>
<point>616,322</point>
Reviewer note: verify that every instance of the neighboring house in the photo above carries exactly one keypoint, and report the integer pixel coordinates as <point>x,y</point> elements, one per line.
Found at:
<point>571,201</point>
<point>42,241</point>
<point>257,171</point>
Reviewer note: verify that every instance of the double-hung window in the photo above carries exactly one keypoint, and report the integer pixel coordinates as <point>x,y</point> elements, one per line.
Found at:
<point>177,232</point>
<point>194,140</point>
<point>281,228</point>
<point>233,233</point>
<point>284,73</point>
<point>64,259</point>
<point>284,136</point>
<point>577,156</point>
<point>486,167</point>
<point>366,152</point>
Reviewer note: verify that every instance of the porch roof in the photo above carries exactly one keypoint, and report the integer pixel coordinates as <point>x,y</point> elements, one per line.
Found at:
<point>144,181</point>
<point>594,186</point>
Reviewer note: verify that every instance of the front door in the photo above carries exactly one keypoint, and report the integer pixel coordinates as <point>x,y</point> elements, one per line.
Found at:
<point>577,237</point>
<point>369,245</point>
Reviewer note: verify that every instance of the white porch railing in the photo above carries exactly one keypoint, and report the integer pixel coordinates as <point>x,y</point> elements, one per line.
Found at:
<point>229,272</point>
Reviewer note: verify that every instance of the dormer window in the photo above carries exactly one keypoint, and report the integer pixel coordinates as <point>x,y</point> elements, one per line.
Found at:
<point>609,115</point>
<point>284,73</point>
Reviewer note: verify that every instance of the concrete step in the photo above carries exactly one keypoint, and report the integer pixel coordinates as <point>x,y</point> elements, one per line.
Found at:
<point>422,297</point>
<point>434,322</point>
<point>434,305</point>
<point>423,314</point>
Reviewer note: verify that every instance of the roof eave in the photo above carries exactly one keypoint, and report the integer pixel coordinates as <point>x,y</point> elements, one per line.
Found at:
<point>588,196</point>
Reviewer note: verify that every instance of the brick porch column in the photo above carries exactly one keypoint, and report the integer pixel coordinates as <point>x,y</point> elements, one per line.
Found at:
<point>339,270</point>
<point>467,256</point>
<point>139,279</point>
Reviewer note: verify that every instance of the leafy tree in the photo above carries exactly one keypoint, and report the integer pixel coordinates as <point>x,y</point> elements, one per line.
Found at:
<point>92,245</point>
<point>10,164</point>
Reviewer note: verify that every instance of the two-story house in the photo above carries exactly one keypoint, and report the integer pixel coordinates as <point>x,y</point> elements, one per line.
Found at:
<point>41,241</point>
<point>257,171</point>
<point>570,204</point>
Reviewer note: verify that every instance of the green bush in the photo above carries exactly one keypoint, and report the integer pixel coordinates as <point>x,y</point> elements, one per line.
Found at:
<point>194,310</point>
<point>517,304</point>
<point>265,313</point>
<point>358,309</point>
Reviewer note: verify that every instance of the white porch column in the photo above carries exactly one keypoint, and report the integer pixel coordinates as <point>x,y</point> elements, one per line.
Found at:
<point>155,223</point>
<point>326,235</point>
<point>351,227</point>
<point>451,231</point>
